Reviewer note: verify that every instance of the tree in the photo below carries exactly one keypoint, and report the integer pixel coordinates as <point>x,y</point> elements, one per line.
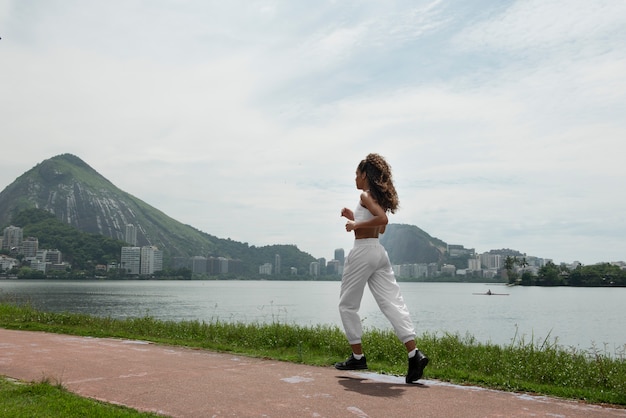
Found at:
<point>528,279</point>
<point>509,266</point>
<point>28,273</point>
<point>550,275</point>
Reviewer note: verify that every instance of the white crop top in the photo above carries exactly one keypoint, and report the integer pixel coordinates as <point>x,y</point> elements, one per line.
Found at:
<point>361,214</point>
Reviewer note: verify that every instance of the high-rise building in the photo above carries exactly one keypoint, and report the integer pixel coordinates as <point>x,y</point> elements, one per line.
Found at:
<point>314,268</point>
<point>222,265</point>
<point>265,269</point>
<point>49,256</point>
<point>332,267</point>
<point>473,264</point>
<point>212,266</point>
<point>198,264</point>
<point>151,260</point>
<point>29,247</point>
<point>277,264</point>
<point>339,256</point>
<point>491,261</point>
<point>12,238</point>
<point>130,259</point>
<point>322,262</point>
<point>131,235</point>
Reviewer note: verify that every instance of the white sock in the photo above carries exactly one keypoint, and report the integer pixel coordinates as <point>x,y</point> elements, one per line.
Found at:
<point>357,356</point>
<point>412,353</point>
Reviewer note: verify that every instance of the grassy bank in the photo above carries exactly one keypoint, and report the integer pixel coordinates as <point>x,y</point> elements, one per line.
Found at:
<point>526,366</point>
<point>45,399</point>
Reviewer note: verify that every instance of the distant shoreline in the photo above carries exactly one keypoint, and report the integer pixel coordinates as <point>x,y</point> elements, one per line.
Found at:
<point>399,280</point>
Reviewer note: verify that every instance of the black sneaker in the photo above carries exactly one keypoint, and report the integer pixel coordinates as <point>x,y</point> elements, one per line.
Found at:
<point>416,367</point>
<point>352,364</point>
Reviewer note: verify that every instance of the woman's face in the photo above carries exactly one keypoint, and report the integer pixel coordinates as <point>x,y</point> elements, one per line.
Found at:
<point>361,180</point>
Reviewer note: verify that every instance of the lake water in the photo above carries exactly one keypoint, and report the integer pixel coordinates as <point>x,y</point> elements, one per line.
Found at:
<point>575,317</point>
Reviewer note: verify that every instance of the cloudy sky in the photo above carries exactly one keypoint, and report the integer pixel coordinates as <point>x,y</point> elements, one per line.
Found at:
<point>504,121</point>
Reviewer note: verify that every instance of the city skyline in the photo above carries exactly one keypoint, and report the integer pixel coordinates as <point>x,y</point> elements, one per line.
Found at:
<point>147,260</point>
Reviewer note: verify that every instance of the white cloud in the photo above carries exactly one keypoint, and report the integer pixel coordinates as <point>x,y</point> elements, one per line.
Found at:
<point>546,26</point>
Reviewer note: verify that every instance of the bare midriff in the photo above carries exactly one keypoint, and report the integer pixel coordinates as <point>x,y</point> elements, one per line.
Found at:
<point>363,233</point>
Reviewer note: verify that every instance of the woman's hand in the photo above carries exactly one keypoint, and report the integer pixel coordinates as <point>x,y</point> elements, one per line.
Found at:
<point>350,226</point>
<point>347,213</point>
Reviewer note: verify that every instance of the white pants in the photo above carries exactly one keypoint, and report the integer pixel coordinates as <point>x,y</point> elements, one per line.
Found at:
<point>368,262</point>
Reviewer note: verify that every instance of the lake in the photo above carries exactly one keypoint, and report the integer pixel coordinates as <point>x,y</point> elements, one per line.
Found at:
<point>574,317</point>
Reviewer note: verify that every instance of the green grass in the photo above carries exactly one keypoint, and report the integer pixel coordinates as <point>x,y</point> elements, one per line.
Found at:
<point>44,399</point>
<point>539,367</point>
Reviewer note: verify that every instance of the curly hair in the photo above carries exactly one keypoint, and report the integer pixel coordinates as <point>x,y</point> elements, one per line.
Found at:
<point>378,173</point>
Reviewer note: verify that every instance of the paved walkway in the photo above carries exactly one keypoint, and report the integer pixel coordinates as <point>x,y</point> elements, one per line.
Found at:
<point>183,382</point>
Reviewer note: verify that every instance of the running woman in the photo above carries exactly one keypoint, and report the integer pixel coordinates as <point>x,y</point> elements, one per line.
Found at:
<point>368,263</point>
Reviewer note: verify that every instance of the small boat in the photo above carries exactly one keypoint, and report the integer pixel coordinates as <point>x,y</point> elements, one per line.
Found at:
<point>490,293</point>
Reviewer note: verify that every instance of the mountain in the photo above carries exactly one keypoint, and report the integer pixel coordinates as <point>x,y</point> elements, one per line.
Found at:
<point>408,244</point>
<point>79,196</point>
